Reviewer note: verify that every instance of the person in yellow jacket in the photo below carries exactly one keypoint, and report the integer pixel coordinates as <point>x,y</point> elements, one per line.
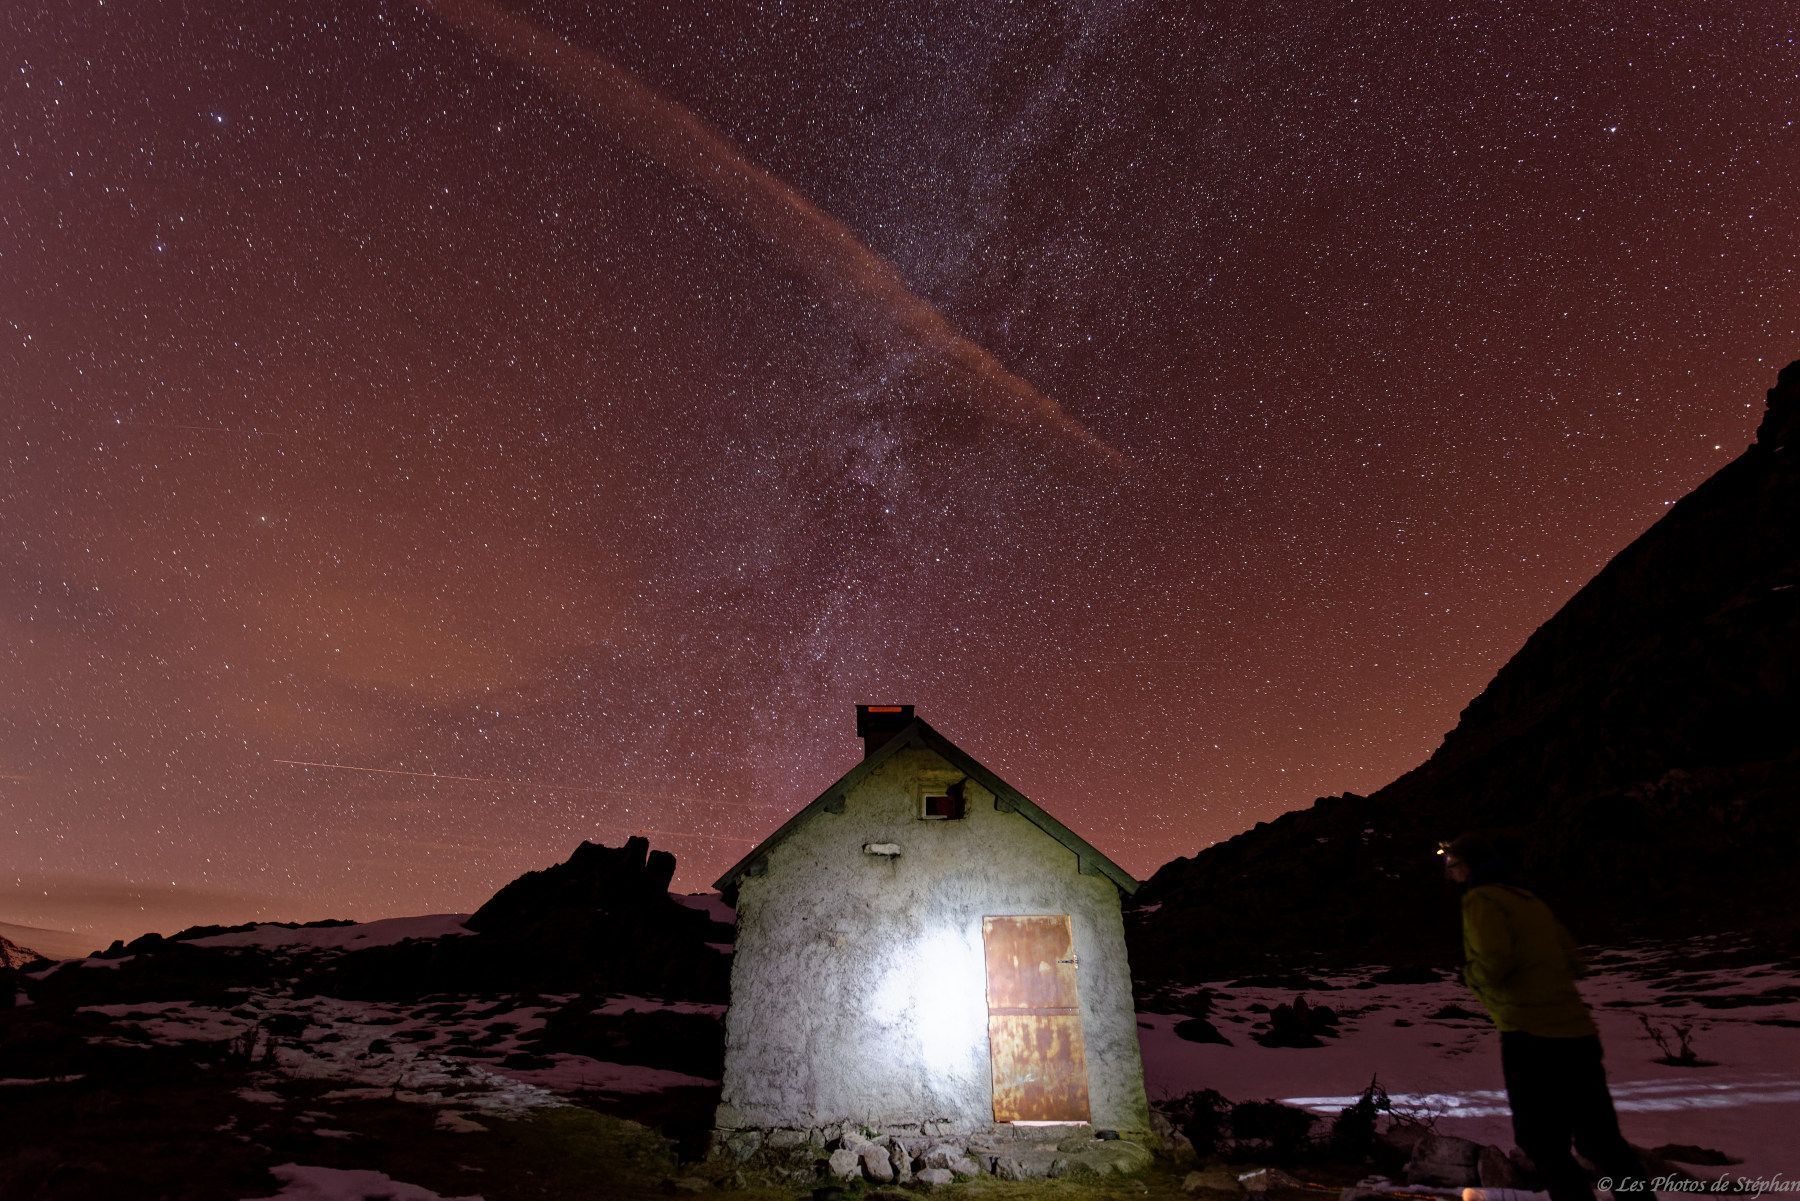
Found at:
<point>1521,963</point>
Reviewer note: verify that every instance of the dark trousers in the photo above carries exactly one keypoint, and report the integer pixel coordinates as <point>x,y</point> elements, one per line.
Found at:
<point>1557,1089</point>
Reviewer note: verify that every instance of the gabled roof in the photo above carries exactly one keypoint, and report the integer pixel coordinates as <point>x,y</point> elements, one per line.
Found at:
<point>917,733</point>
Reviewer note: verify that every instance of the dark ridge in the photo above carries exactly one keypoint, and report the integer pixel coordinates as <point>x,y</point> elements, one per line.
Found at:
<point>1639,750</point>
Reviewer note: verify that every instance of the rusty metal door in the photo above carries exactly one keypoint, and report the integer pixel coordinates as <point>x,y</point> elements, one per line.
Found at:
<point>1034,1020</point>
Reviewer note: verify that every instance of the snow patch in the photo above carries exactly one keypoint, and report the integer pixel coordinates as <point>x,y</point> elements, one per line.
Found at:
<point>308,1183</point>
<point>577,1073</point>
<point>380,933</point>
<point>1447,1069</point>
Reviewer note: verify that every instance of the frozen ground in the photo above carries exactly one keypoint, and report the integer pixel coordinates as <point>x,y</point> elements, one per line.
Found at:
<point>341,938</point>
<point>462,1054</point>
<point>469,1055</point>
<point>1745,1019</point>
<point>474,1060</point>
<point>302,1183</point>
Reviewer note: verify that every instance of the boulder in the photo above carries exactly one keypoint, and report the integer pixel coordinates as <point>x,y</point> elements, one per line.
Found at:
<point>1402,1137</point>
<point>900,1159</point>
<point>845,1164</point>
<point>1030,1163</point>
<point>876,1164</point>
<point>1214,1179</point>
<point>955,1159</point>
<point>935,1177</point>
<point>1443,1161</point>
<point>1261,1180</point>
<point>1495,1169</point>
<point>1171,1141</point>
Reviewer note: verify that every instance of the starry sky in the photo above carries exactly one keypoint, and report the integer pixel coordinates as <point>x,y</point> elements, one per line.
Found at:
<point>416,458</point>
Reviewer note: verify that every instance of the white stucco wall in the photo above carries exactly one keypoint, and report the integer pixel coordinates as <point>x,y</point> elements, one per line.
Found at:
<point>858,988</point>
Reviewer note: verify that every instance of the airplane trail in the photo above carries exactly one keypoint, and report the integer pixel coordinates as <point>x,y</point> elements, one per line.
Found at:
<point>858,283</point>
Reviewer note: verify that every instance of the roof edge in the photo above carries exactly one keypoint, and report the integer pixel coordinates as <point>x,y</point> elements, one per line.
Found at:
<point>918,732</point>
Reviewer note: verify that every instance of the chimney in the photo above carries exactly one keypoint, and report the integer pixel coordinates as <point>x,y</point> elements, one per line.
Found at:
<point>875,724</point>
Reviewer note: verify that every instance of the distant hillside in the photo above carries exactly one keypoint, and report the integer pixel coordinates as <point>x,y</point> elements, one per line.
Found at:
<point>15,956</point>
<point>602,920</point>
<point>1642,745</point>
<point>52,944</point>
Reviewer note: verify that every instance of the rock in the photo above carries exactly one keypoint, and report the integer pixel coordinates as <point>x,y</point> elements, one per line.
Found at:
<point>1299,1025</point>
<point>1200,1030</point>
<point>934,1177</point>
<point>845,1164</point>
<point>875,1162</point>
<point>1173,1143</point>
<point>1402,1137</point>
<point>786,1140</point>
<point>916,1144</point>
<point>955,1159</point>
<point>602,920</point>
<point>1214,1179</point>
<point>1443,1161</point>
<point>900,1159</point>
<point>1261,1180</point>
<point>1030,1163</point>
<point>742,1144</point>
<point>1494,1169</point>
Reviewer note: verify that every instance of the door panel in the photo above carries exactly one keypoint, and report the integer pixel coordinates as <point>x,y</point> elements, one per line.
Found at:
<point>1034,1020</point>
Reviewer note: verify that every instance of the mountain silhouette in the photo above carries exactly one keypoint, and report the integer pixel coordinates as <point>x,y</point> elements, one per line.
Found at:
<point>1639,752</point>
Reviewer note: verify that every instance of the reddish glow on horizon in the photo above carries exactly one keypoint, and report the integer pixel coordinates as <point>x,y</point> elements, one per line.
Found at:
<point>405,478</point>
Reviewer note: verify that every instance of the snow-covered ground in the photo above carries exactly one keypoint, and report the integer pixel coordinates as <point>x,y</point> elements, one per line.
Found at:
<point>380,933</point>
<point>461,1054</point>
<point>1431,1048</point>
<point>1746,1021</point>
<point>301,1182</point>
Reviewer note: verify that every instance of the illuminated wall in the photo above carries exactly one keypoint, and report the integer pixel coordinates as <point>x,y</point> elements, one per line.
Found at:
<point>858,984</point>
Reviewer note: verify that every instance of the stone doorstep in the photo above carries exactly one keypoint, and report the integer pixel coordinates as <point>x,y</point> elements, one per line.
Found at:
<point>1034,1161</point>
<point>1046,1133</point>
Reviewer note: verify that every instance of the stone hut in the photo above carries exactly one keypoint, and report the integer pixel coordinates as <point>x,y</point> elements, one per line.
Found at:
<point>923,951</point>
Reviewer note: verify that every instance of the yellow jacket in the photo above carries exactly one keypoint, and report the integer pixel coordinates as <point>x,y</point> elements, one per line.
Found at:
<point>1521,963</point>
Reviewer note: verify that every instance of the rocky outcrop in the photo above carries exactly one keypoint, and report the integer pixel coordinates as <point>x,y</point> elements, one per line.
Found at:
<point>1639,747</point>
<point>602,920</point>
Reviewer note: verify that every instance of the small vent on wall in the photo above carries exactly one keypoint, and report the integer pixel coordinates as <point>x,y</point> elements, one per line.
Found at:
<point>942,804</point>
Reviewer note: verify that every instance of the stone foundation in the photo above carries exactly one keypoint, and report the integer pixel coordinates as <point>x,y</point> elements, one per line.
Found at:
<point>930,1152</point>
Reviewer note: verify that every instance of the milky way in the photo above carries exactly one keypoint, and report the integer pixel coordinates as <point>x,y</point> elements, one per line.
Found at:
<point>406,475</point>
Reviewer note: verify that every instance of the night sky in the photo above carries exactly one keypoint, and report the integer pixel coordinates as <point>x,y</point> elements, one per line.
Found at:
<point>1187,406</point>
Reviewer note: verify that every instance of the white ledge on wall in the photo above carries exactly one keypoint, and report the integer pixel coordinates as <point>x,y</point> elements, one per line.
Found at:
<point>890,850</point>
